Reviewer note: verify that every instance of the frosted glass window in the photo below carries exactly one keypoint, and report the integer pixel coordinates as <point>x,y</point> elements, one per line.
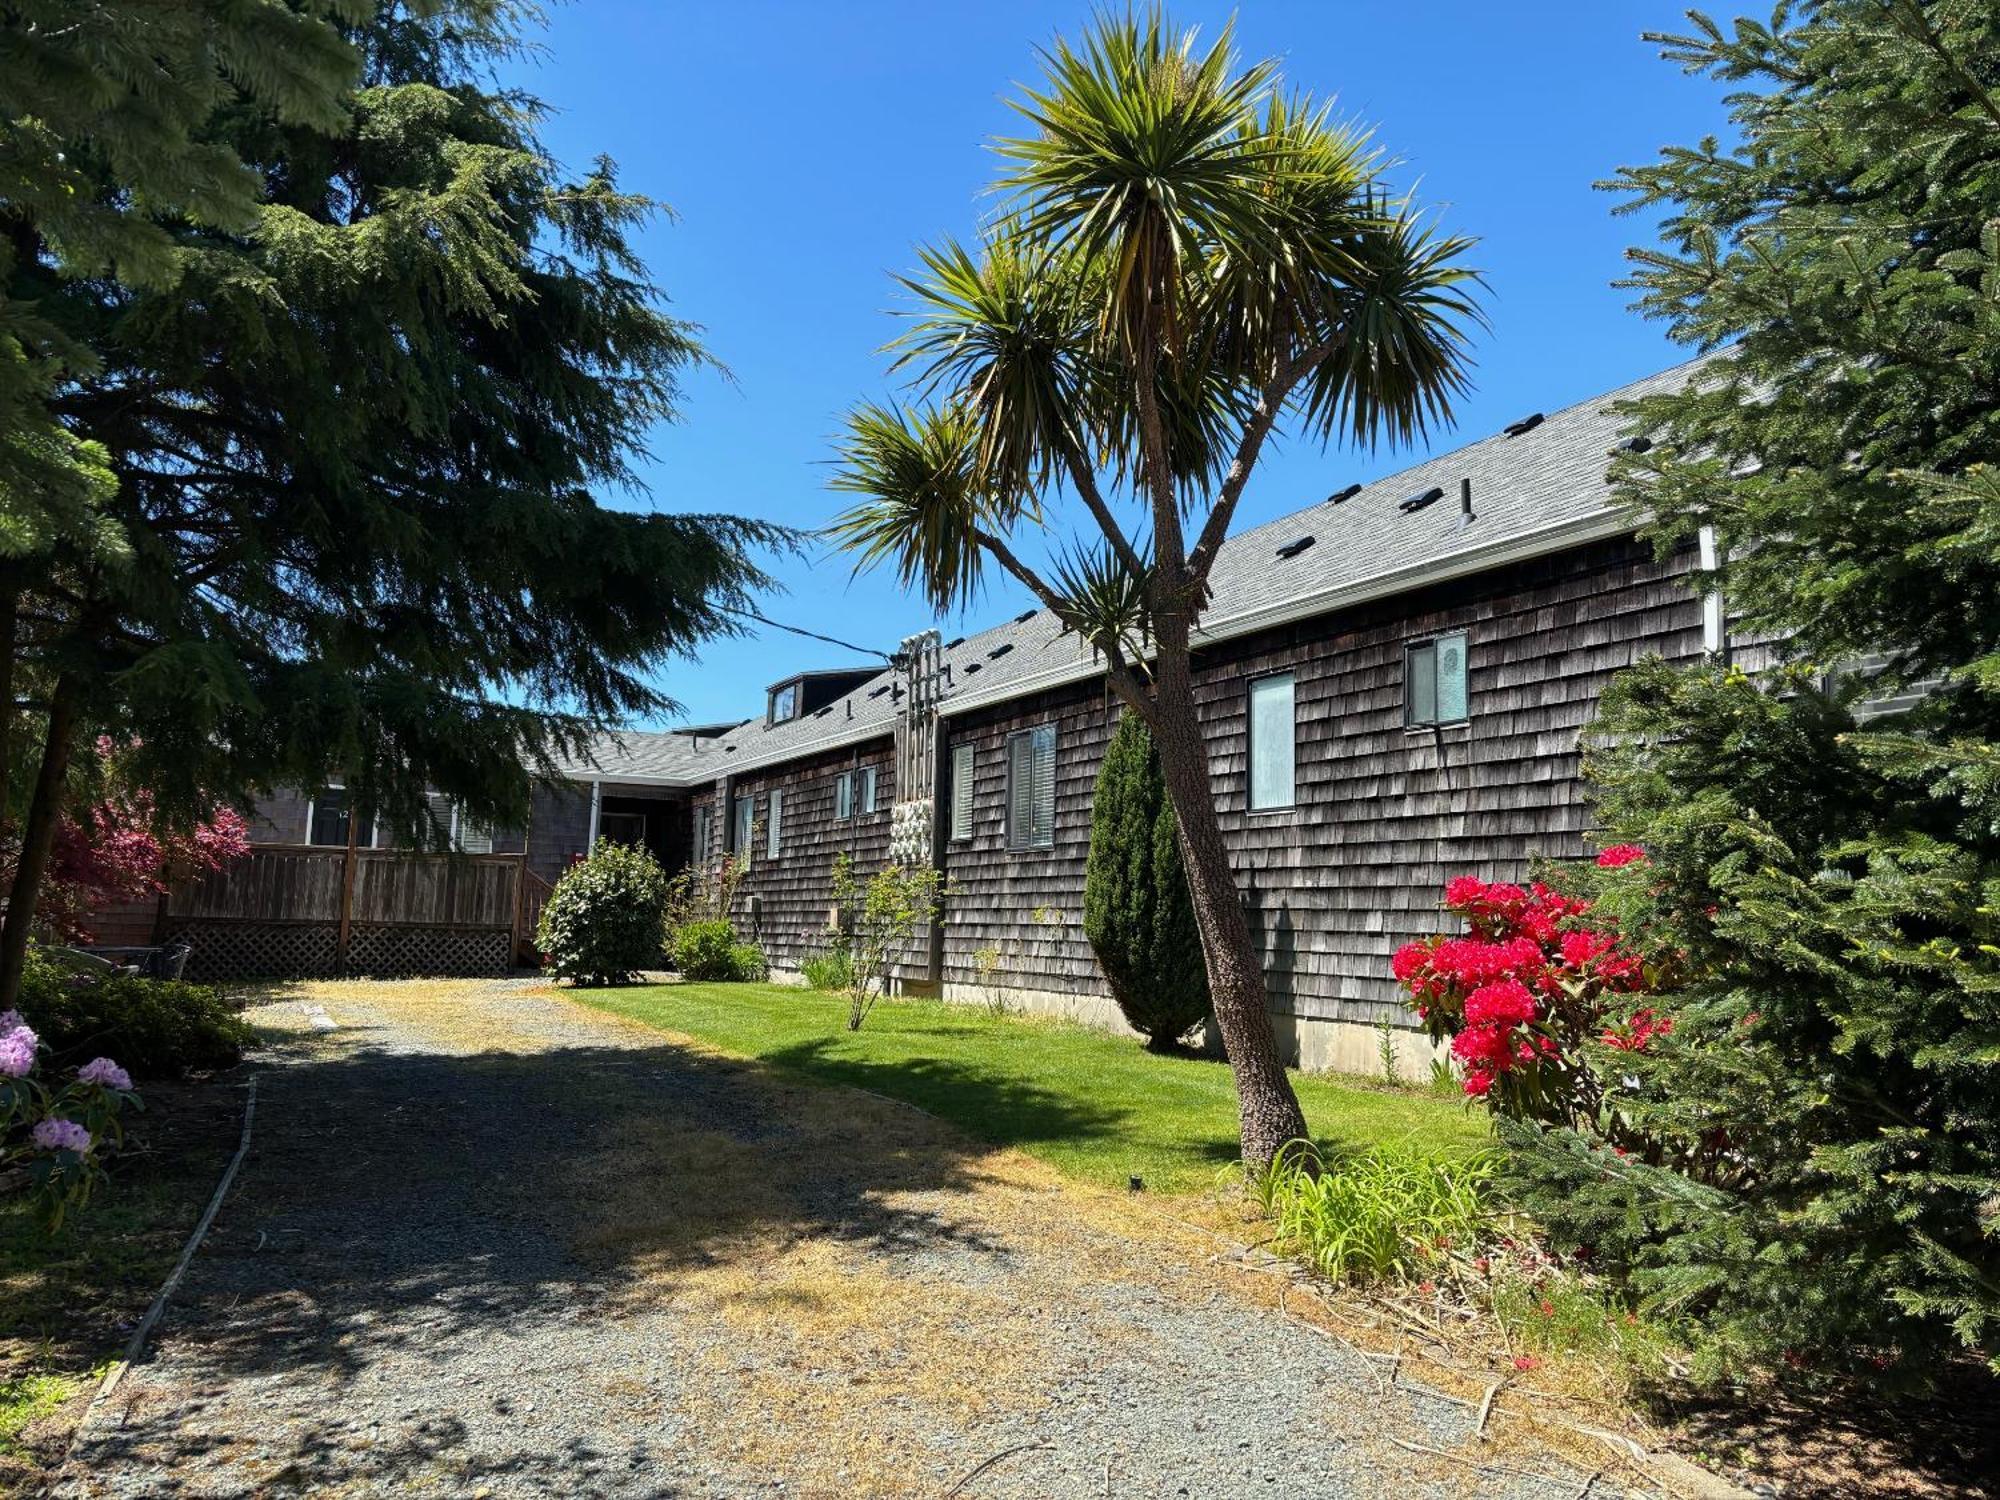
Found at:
<point>746,818</point>
<point>1434,681</point>
<point>867,774</point>
<point>843,795</point>
<point>777,818</point>
<point>1273,742</point>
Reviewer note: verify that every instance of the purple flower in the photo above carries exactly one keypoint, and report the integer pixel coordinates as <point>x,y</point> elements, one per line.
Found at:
<point>10,1019</point>
<point>61,1135</point>
<point>17,1052</point>
<point>102,1070</point>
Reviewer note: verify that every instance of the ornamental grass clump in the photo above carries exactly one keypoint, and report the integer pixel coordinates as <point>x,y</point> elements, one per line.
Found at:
<point>1393,1212</point>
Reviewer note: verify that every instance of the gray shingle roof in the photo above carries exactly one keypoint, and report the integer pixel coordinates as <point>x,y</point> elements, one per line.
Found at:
<point>1541,490</point>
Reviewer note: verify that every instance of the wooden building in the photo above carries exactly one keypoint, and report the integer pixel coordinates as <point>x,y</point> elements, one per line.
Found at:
<point>1394,681</point>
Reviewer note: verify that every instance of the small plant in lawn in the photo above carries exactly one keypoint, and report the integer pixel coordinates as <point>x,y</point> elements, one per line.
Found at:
<point>879,917</point>
<point>602,923</point>
<point>1387,1213</point>
<point>830,970</point>
<point>1385,1050</point>
<point>986,963</point>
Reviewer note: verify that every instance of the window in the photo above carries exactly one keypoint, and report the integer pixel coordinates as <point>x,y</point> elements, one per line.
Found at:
<point>1273,742</point>
<point>961,791</point>
<point>784,702</point>
<point>843,795</point>
<point>1434,681</point>
<point>704,831</point>
<point>746,818</point>
<point>1031,788</point>
<point>622,828</point>
<point>326,819</point>
<point>867,774</point>
<point>469,836</point>
<point>775,820</point>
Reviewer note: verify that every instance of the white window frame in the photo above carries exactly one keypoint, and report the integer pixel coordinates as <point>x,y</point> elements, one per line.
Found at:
<point>1412,650</point>
<point>1032,841</point>
<point>312,812</point>
<point>1268,680</point>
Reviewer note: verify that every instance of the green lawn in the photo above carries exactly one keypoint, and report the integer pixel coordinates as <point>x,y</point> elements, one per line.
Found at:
<point>1094,1106</point>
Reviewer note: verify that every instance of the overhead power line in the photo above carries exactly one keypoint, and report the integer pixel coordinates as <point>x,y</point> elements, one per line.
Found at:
<point>811,635</point>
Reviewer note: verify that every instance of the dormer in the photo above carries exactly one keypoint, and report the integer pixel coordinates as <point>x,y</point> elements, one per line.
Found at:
<point>794,697</point>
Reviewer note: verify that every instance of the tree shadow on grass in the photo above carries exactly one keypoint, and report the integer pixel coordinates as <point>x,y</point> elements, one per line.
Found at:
<point>402,1214</point>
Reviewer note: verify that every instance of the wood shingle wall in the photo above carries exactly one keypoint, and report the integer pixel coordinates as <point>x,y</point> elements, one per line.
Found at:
<point>1382,816</point>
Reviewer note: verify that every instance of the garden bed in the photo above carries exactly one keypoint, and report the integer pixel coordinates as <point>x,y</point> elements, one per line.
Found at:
<point>69,1302</point>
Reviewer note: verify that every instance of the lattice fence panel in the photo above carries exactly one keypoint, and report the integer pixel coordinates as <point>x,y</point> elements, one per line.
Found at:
<point>259,950</point>
<point>396,952</point>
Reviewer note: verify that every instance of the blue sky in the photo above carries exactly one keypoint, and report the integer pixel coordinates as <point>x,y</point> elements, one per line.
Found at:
<point>808,148</point>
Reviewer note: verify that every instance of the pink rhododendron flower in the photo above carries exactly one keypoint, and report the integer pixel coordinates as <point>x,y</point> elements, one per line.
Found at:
<point>53,1134</point>
<point>10,1019</point>
<point>1579,948</point>
<point>105,1073</point>
<point>17,1053</point>
<point>1463,891</point>
<point>1478,1082</point>
<point>1410,961</point>
<point>1505,1002</point>
<point>1620,855</point>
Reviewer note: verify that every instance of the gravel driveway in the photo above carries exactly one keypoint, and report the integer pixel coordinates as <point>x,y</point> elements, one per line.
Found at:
<point>491,1243</point>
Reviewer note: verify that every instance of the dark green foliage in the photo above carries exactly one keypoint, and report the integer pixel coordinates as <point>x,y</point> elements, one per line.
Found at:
<point>153,1028</point>
<point>1824,1116</point>
<point>1136,910</point>
<point>604,921</point>
<point>1827,1106</point>
<point>708,950</point>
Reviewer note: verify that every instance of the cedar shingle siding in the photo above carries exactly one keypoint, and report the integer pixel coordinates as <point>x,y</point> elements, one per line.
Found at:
<point>1336,882</point>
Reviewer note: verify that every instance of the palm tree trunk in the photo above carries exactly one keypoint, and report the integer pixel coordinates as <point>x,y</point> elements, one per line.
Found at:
<point>38,832</point>
<point>1268,1109</point>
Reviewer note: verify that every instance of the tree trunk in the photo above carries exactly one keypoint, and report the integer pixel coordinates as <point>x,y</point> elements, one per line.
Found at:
<point>1268,1110</point>
<point>38,832</point>
<point>10,600</point>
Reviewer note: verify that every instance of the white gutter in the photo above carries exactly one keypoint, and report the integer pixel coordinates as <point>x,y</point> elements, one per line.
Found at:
<point>1599,526</point>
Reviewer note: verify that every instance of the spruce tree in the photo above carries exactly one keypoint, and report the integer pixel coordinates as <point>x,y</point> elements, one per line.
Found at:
<point>1136,910</point>
<point>356,445</point>
<point>1828,1101</point>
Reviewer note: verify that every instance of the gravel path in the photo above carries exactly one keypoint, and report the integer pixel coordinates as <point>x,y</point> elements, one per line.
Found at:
<point>491,1243</point>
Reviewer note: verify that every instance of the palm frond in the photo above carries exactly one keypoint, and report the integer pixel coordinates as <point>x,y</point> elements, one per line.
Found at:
<point>1105,601</point>
<point>922,501</point>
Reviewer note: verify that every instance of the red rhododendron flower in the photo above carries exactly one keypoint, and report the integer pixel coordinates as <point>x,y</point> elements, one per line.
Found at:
<point>1579,948</point>
<point>1505,1003</point>
<point>1463,891</point>
<point>1410,961</point>
<point>1645,1024</point>
<point>1478,1082</point>
<point>1486,1047</point>
<point>1620,855</point>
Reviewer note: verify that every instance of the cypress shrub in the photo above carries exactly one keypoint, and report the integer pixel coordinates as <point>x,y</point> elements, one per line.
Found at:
<point>1136,910</point>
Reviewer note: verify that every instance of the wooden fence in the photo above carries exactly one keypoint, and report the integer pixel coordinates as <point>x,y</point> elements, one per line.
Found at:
<point>288,910</point>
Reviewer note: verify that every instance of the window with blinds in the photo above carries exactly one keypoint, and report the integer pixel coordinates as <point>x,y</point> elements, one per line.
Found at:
<point>1434,681</point>
<point>1031,788</point>
<point>1273,742</point>
<point>774,820</point>
<point>961,791</point>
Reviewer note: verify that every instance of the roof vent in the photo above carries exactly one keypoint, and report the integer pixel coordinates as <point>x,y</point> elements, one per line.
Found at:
<point>1294,548</point>
<point>971,667</point>
<point>1347,494</point>
<point>1419,501</point>
<point>1634,445</point>
<point>1000,650</point>
<point>957,640</point>
<point>1026,615</point>
<point>1527,424</point>
<point>880,690</point>
<point>821,713</point>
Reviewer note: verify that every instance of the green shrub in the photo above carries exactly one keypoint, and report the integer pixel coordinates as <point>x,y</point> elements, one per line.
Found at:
<point>155,1028</point>
<point>831,970</point>
<point>706,949</point>
<point>1390,1212</point>
<point>1136,910</point>
<point>604,921</point>
<point>747,963</point>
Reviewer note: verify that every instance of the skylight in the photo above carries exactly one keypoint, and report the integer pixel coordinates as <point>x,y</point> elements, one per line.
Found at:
<point>1294,548</point>
<point>1528,423</point>
<point>1419,501</point>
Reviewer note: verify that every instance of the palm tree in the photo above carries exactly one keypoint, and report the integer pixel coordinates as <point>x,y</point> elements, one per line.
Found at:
<point>1185,257</point>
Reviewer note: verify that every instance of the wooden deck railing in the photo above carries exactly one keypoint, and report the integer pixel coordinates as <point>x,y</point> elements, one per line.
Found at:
<point>293,883</point>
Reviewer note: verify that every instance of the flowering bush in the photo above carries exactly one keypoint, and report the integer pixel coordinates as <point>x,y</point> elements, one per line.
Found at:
<point>1529,992</point>
<point>57,1133</point>
<point>119,848</point>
